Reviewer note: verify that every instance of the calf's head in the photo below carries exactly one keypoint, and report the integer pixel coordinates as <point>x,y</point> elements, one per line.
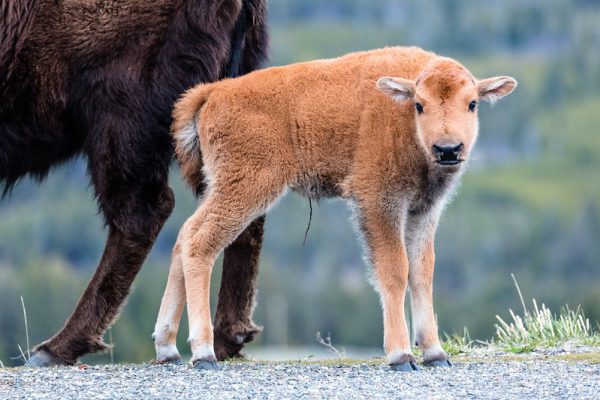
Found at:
<point>444,100</point>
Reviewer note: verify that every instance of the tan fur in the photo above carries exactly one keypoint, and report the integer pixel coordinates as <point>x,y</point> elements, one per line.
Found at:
<point>343,127</point>
<point>184,125</point>
<point>171,308</point>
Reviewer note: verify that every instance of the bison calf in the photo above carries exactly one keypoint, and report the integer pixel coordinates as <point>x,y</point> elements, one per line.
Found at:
<point>389,130</point>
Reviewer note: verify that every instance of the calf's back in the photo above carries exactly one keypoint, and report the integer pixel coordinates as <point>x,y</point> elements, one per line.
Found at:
<point>319,122</point>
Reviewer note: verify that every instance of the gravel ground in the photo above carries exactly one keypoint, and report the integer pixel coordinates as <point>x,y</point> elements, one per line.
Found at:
<point>472,379</point>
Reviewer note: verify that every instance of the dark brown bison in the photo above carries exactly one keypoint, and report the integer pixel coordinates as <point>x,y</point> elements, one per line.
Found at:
<point>99,78</point>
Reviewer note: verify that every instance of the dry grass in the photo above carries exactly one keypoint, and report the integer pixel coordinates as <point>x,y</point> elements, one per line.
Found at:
<point>540,328</point>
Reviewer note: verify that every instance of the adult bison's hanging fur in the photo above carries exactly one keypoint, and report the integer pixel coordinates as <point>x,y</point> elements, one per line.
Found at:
<point>98,78</point>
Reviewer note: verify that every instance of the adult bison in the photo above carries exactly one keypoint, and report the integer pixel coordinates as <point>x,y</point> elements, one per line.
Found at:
<point>99,78</point>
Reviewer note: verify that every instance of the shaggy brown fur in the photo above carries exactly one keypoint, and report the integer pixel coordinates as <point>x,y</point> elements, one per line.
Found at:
<point>99,78</point>
<point>386,129</point>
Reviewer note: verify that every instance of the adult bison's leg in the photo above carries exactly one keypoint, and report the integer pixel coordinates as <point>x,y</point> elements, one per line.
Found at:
<point>132,190</point>
<point>233,320</point>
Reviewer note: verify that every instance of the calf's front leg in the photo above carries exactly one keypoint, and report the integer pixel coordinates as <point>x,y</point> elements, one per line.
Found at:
<point>390,265</point>
<point>425,330</point>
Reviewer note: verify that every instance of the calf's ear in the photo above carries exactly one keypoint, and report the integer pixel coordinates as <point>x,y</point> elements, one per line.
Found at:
<point>399,89</point>
<point>492,89</point>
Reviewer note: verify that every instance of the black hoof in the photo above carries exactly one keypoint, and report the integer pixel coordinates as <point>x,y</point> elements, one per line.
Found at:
<point>230,345</point>
<point>206,365</point>
<point>438,363</point>
<point>42,358</point>
<point>407,366</point>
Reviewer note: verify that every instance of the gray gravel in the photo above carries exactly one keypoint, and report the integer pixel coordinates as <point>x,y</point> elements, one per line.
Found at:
<point>522,379</point>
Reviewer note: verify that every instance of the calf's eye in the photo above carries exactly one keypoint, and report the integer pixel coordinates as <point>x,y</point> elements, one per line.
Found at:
<point>472,105</point>
<point>419,108</point>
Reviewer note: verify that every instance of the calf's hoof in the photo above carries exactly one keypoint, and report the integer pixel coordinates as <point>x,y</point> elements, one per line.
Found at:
<point>406,366</point>
<point>206,365</point>
<point>438,363</point>
<point>43,358</point>
<point>169,361</point>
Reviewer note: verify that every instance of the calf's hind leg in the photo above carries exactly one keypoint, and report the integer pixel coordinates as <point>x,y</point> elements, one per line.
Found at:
<point>220,219</point>
<point>234,326</point>
<point>171,308</point>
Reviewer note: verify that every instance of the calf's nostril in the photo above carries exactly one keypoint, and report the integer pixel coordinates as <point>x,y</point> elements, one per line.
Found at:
<point>458,149</point>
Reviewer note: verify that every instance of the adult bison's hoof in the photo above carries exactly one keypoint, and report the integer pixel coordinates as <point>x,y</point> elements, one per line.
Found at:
<point>230,345</point>
<point>407,366</point>
<point>206,365</point>
<point>438,363</point>
<point>43,358</point>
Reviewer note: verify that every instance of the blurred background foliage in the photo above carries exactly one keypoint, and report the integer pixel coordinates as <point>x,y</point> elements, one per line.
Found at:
<point>529,205</point>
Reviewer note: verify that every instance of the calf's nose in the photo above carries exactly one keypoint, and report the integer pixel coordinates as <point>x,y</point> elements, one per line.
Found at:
<point>448,153</point>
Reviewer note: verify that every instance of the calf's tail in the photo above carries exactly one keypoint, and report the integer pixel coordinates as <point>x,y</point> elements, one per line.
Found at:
<point>185,134</point>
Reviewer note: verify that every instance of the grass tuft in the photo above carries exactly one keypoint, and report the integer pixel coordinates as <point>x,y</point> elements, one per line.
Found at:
<point>538,328</point>
<point>458,343</point>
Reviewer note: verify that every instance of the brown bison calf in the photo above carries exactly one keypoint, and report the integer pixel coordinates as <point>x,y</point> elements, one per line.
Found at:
<point>389,130</point>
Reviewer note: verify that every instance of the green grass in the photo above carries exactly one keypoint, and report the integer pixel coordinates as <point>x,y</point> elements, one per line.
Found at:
<point>575,358</point>
<point>538,327</point>
<point>457,343</point>
<point>588,358</point>
<point>491,357</point>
